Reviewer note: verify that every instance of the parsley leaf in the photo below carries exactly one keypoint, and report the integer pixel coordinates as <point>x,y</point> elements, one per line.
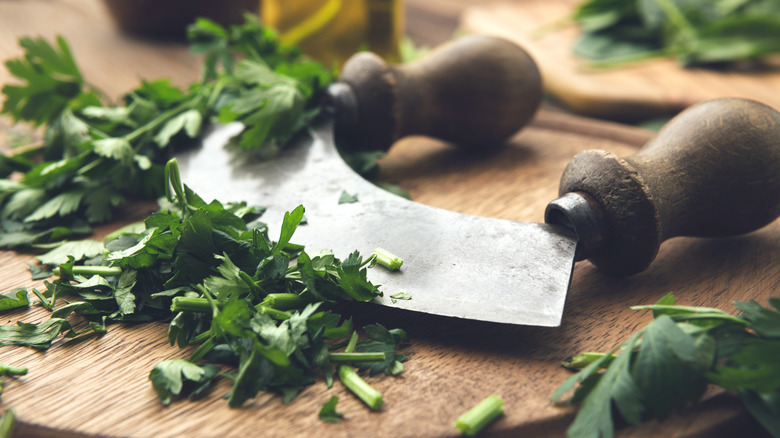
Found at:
<point>179,377</point>
<point>8,302</point>
<point>328,412</point>
<point>667,364</point>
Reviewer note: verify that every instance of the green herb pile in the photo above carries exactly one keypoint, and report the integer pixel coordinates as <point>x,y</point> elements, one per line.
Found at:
<point>695,32</point>
<point>95,155</point>
<point>668,364</point>
<point>264,307</point>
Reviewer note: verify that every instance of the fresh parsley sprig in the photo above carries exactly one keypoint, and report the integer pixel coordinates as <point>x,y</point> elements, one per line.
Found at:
<point>668,364</point>
<point>695,32</point>
<point>95,154</point>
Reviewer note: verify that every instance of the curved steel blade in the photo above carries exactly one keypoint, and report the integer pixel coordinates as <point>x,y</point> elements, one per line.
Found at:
<point>454,264</point>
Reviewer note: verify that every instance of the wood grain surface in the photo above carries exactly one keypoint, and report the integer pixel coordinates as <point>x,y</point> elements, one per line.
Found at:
<point>643,90</point>
<point>100,387</point>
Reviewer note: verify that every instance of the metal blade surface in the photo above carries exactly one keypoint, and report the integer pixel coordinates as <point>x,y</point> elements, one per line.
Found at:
<point>454,264</point>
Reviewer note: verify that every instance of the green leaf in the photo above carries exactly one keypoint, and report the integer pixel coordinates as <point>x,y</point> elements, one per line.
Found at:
<point>9,302</point>
<point>400,296</point>
<point>60,205</point>
<point>179,377</point>
<point>756,367</point>
<point>123,294</point>
<point>115,148</point>
<point>667,368</point>
<point>289,225</point>
<point>328,412</point>
<point>765,409</point>
<point>51,78</point>
<point>188,122</point>
<point>352,278</point>
<point>79,250</point>
<point>346,198</point>
<point>765,321</point>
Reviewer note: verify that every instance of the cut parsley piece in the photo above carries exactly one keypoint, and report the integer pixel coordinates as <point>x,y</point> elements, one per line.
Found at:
<point>328,412</point>
<point>388,259</point>
<point>473,421</point>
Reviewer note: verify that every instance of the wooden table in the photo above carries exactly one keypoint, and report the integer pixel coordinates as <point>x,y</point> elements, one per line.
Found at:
<point>100,387</point>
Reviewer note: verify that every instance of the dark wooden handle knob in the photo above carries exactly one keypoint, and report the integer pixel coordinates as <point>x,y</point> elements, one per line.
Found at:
<point>712,171</point>
<point>475,91</point>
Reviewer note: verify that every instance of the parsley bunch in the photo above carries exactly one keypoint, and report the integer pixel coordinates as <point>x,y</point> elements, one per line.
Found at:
<point>95,155</point>
<point>669,363</point>
<point>695,32</point>
<point>265,307</point>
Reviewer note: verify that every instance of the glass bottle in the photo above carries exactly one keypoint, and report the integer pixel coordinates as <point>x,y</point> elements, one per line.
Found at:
<point>333,30</point>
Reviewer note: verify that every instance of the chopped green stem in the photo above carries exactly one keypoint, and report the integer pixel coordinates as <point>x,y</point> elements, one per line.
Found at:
<point>365,392</point>
<point>352,343</point>
<point>387,259</point>
<point>283,301</point>
<point>273,313</point>
<point>479,416</point>
<point>9,370</point>
<point>103,271</point>
<point>7,423</point>
<point>582,360</point>
<point>356,357</point>
<point>191,304</point>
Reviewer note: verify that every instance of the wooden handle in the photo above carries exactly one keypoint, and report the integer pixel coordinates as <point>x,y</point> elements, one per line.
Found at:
<point>475,91</point>
<point>714,170</point>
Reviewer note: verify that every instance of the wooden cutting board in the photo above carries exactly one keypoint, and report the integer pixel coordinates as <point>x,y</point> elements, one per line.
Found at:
<point>100,387</point>
<point>648,89</point>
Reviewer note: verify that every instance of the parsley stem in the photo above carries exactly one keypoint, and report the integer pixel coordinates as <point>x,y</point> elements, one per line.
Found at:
<point>202,350</point>
<point>7,423</point>
<point>273,313</point>
<point>479,416</point>
<point>356,357</point>
<point>341,331</point>
<point>46,303</point>
<point>284,301</point>
<point>201,338</point>
<point>365,392</point>
<point>352,343</point>
<point>162,118</point>
<point>103,271</point>
<point>387,259</point>
<point>10,370</point>
<point>191,304</point>
<point>582,360</point>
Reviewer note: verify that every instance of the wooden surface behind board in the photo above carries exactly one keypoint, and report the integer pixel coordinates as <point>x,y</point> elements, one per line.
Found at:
<point>99,387</point>
<point>647,89</point>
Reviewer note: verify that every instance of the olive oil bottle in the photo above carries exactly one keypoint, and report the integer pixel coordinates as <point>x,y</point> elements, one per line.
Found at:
<point>332,30</point>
